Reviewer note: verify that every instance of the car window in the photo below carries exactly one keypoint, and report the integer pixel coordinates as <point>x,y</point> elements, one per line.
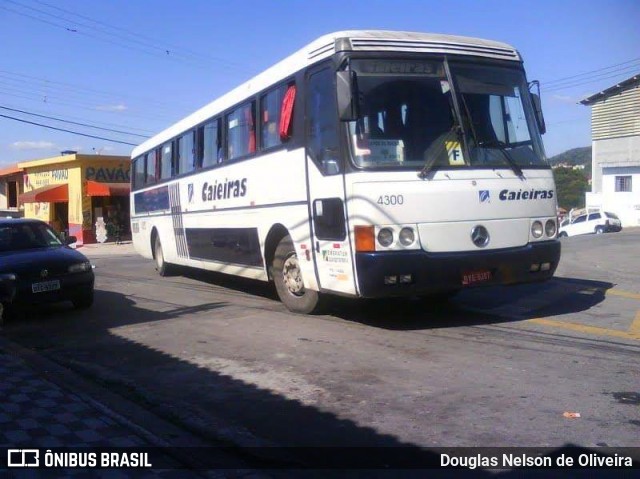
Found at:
<point>580,219</point>
<point>611,215</point>
<point>594,216</point>
<point>22,236</point>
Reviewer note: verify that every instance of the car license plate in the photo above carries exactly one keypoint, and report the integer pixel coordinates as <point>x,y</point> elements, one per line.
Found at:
<point>473,277</point>
<point>45,286</point>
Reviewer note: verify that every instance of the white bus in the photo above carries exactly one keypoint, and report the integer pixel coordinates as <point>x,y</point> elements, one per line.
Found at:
<point>367,164</point>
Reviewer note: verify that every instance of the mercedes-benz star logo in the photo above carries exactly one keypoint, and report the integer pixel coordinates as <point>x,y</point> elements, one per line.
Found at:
<point>44,273</point>
<point>480,236</point>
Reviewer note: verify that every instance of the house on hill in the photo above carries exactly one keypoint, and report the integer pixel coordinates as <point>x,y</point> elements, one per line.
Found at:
<point>615,136</point>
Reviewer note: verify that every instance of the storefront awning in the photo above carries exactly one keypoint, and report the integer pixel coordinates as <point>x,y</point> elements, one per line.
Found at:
<point>95,188</point>
<point>46,194</point>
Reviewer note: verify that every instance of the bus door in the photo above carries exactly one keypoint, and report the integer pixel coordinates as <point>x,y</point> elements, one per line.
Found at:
<point>325,180</point>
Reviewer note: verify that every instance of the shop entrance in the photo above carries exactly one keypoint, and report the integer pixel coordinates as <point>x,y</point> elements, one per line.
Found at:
<point>60,219</point>
<point>114,211</point>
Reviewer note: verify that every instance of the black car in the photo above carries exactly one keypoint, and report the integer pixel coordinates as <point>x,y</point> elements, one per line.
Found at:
<point>37,267</point>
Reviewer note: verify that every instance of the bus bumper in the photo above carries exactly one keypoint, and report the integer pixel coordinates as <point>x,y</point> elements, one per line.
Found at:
<point>409,273</point>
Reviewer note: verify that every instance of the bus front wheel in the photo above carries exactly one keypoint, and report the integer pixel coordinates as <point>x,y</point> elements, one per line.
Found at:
<point>163,268</point>
<point>287,276</point>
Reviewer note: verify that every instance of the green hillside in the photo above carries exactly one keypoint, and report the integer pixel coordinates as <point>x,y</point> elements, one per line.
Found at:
<point>575,156</point>
<point>571,184</point>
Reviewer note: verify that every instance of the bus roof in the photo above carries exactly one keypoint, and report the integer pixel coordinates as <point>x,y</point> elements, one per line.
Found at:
<point>324,47</point>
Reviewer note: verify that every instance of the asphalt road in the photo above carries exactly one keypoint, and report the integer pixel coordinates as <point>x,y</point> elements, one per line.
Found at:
<point>493,367</point>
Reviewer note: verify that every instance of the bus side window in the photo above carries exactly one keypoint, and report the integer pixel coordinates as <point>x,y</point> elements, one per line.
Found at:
<point>269,118</point>
<point>151,168</point>
<point>286,113</point>
<point>241,131</point>
<point>138,172</point>
<point>175,161</point>
<point>323,118</point>
<point>276,112</point>
<point>166,161</point>
<point>185,152</point>
<point>209,144</point>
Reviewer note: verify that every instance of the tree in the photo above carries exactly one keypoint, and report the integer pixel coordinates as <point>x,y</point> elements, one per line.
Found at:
<point>571,186</point>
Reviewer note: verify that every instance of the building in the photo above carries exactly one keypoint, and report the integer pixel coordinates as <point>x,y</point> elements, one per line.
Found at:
<point>11,187</point>
<point>71,191</point>
<point>615,133</point>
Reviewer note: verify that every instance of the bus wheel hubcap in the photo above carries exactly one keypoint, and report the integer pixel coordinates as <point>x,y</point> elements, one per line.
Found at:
<point>292,276</point>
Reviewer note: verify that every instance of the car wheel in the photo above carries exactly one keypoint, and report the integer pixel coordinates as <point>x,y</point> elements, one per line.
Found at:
<point>83,302</point>
<point>562,234</point>
<point>163,268</point>
<point>287,275</point>
<point>599,230</point>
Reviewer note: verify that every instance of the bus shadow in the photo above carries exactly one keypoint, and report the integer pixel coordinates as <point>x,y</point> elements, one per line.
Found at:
<point>228,281</point>
<point>473,307</point>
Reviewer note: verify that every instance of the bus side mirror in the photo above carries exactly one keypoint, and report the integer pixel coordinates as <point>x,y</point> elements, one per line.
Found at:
<point>347,95</point>
<point>537,107</point>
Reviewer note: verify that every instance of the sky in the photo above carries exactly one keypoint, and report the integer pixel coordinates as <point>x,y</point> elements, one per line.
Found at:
<point>124,70</point>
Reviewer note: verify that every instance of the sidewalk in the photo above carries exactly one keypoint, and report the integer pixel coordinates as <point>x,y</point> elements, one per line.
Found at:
<point>107,249</point>
<point>45,406</point>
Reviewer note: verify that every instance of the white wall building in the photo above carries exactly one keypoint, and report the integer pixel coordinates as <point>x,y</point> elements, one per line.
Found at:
<point>615,134</point>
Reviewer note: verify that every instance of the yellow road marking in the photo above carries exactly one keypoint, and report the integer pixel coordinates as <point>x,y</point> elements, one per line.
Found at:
<point>624,294</point>
<point>635,326</point>
<point>632,333</point>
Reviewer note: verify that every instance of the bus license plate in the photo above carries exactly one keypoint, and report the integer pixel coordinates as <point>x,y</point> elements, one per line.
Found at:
<point>45,286</point>
<point>473,277</point>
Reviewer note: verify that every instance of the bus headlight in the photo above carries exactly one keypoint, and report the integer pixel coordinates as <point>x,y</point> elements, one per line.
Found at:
<point>550,228</point>
<point>536,229</point>
<point>407,236</point>
<point>385,237</point>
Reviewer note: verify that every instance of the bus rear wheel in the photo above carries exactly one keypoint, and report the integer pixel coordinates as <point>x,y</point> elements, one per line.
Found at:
<point>163,268</point>
<point>287,276</point>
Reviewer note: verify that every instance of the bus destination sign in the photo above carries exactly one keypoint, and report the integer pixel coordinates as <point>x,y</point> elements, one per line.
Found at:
<point>398,67</point>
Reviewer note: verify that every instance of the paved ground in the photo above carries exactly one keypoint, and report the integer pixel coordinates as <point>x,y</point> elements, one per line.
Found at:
<point>37,413</point>
<point>500,366</point>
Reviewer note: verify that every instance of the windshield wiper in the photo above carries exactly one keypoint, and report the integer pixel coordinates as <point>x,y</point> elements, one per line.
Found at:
<point>437,147</point>
<point>502,147</point>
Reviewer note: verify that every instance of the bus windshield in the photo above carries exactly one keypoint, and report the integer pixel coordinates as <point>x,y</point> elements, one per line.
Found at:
<point>408,117</point>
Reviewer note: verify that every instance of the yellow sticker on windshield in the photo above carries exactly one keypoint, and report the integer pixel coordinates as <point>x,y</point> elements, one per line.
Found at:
<point>454,151</point>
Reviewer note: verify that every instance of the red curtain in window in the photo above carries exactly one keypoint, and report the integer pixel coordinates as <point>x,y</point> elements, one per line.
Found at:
<point>286,113</point>
<point>252,128</point>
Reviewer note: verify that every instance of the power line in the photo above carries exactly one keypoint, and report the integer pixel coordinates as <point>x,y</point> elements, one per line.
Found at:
<point>586,82</point>
<point>561,80</point>
<point>172,48</point>
<point>79,32</point>
<point>67,131</point>
<point>47,83</point>
<point>98,123</point>
<point>603,75</point>
<point>82,105</point>
<point>143,45</point>
<point>71,122</point>
<point>43,95</point>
